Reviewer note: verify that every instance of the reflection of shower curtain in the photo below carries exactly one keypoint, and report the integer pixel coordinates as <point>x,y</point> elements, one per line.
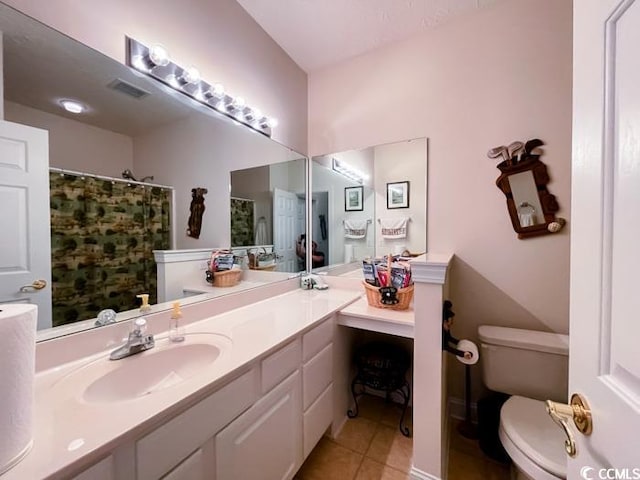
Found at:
<point>241,222</point>
<point>103,235</point>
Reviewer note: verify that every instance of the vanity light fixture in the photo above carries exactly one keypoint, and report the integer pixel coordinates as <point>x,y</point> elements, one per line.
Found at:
<point>72,106</point>
<point>155,62</point>
<point>348,171</point>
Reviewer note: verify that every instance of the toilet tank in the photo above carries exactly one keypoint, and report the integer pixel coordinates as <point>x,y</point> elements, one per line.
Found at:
<point>525,362</point>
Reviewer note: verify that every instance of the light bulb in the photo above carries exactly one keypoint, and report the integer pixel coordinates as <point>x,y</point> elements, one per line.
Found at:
<point>272,122</point>
<point>218,90</point>
<point>191,76</point>
<point>238,103</point>
<point>72,106</point>
<point>159,56</point>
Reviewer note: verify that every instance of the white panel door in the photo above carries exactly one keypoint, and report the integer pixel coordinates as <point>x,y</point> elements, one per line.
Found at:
<point>285,215</point>
<point>605,247</point>
<point>25,238</point>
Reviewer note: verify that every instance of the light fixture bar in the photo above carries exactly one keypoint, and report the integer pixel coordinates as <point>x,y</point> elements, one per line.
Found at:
<point>155,62</point>
<point>347,171</point>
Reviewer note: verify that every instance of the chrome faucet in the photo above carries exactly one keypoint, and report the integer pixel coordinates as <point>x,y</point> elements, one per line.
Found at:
<point>138,341</point>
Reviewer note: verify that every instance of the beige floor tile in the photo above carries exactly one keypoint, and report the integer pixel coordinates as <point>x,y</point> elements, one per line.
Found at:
<point>357,434</point>
<point>497,471</point>
<point>391,416</point>
<point>372,470</point>
<point>330,461</point>
<point>389,446</point>
<point>463,444</point>
<point>370,407</point>
<point>463,466</point>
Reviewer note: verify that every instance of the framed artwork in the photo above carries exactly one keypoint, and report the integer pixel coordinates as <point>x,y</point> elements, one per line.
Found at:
<point>398,195</point>
<point>353,199</point>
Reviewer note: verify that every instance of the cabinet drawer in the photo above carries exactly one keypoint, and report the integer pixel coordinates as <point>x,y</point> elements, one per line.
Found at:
<point>265,442</point>
<point>317,419</point>
<point>103,470</point>
<point>165,447</point>
<point>280,365</point>
<point>316,375</point>
<point>316,339</point>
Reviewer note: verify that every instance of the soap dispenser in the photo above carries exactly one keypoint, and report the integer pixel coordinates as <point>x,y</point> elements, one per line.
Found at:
<point>176,332</point>
<point>145,307</point>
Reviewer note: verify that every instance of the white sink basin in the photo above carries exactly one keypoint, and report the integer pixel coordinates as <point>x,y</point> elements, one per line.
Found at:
<point>142,374</point>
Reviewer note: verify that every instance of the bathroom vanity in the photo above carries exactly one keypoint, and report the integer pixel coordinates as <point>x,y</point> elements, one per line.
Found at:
<point>261,375</point>
<point>254,382</point>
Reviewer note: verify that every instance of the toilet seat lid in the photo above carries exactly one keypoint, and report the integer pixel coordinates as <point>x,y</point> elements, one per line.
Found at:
<point>526,422</point>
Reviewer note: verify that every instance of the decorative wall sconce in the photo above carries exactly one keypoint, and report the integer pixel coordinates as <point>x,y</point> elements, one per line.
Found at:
<point>523,181</point>
<point>155,62</point>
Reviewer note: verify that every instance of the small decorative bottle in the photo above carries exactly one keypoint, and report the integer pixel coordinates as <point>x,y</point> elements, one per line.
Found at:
<point>176,332</point>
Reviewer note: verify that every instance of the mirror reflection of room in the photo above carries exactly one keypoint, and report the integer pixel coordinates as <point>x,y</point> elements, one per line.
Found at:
<point>124,159</point>
<point>525,196</point>
<point>349,201</point>
<point>267,214</point>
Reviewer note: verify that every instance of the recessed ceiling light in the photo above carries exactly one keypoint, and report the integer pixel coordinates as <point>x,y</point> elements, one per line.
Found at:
<point>72,106</point>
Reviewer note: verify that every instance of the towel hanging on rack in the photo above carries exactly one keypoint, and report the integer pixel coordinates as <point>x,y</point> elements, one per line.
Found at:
<point>355,228</point>
<point>261,231</point>
<point>394,227</point>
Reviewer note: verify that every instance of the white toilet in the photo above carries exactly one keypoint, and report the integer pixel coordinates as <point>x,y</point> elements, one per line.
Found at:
<point>533,367</point>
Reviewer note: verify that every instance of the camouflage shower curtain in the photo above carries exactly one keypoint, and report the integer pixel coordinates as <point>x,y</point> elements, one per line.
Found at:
<point>103,234</point>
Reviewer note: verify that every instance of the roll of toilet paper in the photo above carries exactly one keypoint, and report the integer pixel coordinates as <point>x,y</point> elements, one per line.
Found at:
<point>17,372</point>
<point>348,253</point>
<point>468,346</point>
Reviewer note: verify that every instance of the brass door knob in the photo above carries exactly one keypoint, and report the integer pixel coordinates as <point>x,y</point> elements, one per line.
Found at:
<point>579,411</point>
<point>36,285</point>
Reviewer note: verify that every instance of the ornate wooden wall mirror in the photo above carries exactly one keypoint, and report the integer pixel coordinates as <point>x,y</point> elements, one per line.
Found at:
<point>523,180</point>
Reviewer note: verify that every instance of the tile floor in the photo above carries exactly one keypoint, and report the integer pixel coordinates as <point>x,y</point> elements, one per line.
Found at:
<point>371,447</point>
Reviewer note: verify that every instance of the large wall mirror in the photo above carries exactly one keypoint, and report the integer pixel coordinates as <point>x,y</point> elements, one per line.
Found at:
<point>105,228</point>
<point>369,202</point>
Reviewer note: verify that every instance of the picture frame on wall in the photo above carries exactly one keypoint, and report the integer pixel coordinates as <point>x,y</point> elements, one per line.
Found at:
<point>353,199</point>
<point>398,195</point>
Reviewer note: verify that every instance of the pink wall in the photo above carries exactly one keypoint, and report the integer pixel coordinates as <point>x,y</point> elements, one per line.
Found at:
<point>219,37</point>
<point>481,80</point>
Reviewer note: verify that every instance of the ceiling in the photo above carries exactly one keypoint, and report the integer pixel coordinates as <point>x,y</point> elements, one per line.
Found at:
<point>319,33</point>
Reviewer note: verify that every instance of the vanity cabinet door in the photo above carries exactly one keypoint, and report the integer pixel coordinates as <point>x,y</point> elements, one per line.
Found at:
<point>265,442</point>
<point>194,467</point>
<point>103,470</point>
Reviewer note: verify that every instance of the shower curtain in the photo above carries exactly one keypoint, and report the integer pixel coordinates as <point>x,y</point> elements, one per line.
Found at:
<point>241,222</point>
<point>103,234</point>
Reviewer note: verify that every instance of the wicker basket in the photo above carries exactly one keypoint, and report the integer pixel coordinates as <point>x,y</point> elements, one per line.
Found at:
<point>227,278</point>
<point>266,268</point>
<point>404,296</point>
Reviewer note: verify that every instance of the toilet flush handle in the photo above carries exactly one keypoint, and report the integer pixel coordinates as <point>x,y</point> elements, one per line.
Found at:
<point>579,411</point>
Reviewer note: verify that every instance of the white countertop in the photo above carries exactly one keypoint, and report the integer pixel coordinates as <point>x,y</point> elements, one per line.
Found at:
<point>70,433</point>
<point>361,315</point>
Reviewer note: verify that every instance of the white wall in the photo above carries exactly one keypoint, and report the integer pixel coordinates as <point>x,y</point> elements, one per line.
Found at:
<point>399,162</point>
<point>219,37</point>
<point>481,80</point>
<point>77,146</point>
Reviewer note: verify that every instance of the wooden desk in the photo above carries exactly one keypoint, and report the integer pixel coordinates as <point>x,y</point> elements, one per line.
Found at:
<point>393,322</point>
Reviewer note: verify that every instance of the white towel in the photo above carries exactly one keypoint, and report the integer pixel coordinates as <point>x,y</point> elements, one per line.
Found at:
<point>355,228</point>
<point>261,232</point>
<point>394,227</point>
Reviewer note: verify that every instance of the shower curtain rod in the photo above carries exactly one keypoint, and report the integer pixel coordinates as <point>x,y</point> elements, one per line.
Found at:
<point>64,171</point>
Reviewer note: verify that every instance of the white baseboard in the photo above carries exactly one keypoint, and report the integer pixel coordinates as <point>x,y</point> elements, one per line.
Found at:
<point>456,409</point>
<point>415,474</point>
<point>334,432</point>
